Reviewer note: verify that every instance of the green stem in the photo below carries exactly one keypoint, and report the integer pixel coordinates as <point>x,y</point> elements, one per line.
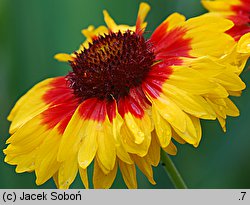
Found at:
<point>172,172</point>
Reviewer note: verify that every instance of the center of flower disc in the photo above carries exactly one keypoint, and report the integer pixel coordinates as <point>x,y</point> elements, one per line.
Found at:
<point>111,65</point>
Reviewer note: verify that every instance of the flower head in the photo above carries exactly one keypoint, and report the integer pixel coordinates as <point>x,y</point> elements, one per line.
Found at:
<point>125,99</point>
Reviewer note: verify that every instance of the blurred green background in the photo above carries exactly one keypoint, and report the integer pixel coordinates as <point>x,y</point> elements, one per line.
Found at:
<point>32,31</point>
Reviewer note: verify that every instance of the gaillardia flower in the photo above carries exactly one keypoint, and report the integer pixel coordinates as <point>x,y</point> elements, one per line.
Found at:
<point>125,99</point>
<point>237,11</point>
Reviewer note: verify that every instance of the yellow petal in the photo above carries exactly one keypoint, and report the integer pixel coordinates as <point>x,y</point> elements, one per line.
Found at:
<point>154,151</point>
<point>29,105</point>
<point>145,167</point>
<point>106,152</point>
<point>197,126</point>
<point>129,144</point>
<point>243,45</point>
<point>109,21</point>
<point>134,128</point>
<point>88,32</point>
<point>171,149</point>
<point>142,13</point>
<point>212,23</point>
<point>231,108</point>
<point>91,32</point>
<point>101,180</point>
<point>24,145</point>
<point>67,172</point>
<point>72,136</point>
<point>129,174</point>
<point>192,104</point>
<point>207,66</point>
<point>84,177</point>
<point>190,134</point>
<point>116,128</point>
<point>235,93</point>
<point>174,20</point>
<point>177,138</point>
<point>64,57</point>
<point>24,162</point>
<point>190,80</point>
<point>55,179</point>
<point>138,127</point>
<point>102,167</point>
<point>216,45</point>
<point>46,163</point>
<point>222,122</point>
<point>208,37</point>
<point>120,150</point>
<point>230,81</point>
<point>218,106</point>
<point>222,5</point>
<point>162,128</point>
<point>89,145</point>
<point>123,155</point>
<point>217,92</point>
<point>236,59</point>
<point>30,135</point>
<point>170,112</point>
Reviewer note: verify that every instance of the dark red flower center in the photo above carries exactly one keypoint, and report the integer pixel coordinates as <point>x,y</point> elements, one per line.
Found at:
<point>111,66</point>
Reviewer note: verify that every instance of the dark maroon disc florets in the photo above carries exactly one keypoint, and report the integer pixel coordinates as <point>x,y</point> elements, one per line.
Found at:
<point>111,65</point>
